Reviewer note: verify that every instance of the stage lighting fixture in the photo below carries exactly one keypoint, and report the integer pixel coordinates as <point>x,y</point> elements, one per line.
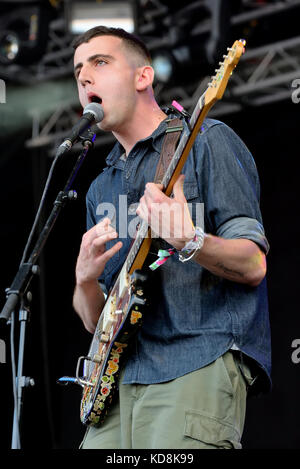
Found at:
<point>87,14</point>
<point>181,63</point>
<point>9,46</point>
<point>24,31</point>
<point>196,34</point>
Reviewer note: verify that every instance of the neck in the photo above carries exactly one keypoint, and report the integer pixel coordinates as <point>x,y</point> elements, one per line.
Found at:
<point>142,124</point>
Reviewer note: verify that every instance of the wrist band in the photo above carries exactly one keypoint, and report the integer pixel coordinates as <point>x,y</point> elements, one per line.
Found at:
<point>163,255</point>
<point>190,249</point>
<point>187,252</point>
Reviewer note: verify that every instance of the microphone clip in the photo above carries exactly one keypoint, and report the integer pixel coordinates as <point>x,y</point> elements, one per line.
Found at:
<point>87,138</point>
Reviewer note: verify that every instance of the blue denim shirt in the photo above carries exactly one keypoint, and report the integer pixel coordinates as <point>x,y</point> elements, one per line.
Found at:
<point>194,316</point>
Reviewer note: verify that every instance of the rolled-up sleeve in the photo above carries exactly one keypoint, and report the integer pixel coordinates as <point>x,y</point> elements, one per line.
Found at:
<point>229,185</point>
<point>244,227</point>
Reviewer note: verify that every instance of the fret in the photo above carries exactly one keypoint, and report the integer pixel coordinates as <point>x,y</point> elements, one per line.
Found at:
<point>183,141</point>
<point>140,236</point>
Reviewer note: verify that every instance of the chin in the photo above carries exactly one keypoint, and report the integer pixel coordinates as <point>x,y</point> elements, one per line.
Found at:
<point>104,126</point>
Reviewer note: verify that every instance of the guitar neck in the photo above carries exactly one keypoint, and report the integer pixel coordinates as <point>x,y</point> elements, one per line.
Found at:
<point>185,144</point>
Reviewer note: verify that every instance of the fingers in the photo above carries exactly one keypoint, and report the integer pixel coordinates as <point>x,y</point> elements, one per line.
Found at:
<point>142,209</point>
<point>93,254</point>
<point>98,243</point>
<point>96,230</point>
<point>153,193</point>
<point>97,236</point>
<point>169,217</point>
<point>102,228</point>
<point>153,196</point>
<point>109,253</point>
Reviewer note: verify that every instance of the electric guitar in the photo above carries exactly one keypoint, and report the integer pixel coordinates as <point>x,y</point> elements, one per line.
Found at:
<point>125,305</point>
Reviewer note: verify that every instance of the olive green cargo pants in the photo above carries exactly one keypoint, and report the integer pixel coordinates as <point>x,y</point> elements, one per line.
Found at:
<point>202,409</point>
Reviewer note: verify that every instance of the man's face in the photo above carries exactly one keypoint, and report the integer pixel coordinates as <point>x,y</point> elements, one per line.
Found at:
<point>105,73</point>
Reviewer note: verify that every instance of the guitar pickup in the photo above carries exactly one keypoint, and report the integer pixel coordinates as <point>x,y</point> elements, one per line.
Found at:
<point>109,323</point>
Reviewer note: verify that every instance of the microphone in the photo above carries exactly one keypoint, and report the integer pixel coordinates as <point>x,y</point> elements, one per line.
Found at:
<point>92,114</point>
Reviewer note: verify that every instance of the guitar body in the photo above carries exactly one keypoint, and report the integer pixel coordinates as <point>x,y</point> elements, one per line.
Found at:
<point>120,321</point>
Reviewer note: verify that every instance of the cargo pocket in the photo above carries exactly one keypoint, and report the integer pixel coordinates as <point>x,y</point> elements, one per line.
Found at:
<point>209,432</point>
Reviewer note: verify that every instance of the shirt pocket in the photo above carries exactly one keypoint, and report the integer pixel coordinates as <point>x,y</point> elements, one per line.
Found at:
<point>196,207</point>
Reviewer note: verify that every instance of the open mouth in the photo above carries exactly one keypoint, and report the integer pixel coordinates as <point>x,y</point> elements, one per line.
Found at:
<point>95,99</point>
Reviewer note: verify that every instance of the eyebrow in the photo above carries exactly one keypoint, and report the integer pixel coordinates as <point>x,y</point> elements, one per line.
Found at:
<point>91,59</point>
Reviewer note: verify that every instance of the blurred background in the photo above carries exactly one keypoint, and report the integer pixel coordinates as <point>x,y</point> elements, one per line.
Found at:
<point>38,107</point>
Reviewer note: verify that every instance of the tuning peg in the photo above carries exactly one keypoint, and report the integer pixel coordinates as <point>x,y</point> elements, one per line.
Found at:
<point>229,48</point>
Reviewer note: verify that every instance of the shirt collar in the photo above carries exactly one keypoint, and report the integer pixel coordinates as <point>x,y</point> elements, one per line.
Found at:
<point>153,139</point>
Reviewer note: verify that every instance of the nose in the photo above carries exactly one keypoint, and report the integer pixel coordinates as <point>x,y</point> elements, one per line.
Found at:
<point>85,75</point>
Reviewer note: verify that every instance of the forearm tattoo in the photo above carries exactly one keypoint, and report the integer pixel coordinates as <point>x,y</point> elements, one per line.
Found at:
<point>226,270</point>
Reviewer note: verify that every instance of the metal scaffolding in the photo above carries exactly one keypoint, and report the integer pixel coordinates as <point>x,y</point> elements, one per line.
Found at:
<point>265,74</point>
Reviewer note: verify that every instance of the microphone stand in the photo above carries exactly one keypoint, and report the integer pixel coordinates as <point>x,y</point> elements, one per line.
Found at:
<point>18,292</point>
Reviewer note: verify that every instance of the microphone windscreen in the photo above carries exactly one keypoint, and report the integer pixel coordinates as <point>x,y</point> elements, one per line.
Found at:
<point>96,109</point>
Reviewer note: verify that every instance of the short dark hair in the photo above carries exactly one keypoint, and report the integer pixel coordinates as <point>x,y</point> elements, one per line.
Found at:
<point>130,40</point>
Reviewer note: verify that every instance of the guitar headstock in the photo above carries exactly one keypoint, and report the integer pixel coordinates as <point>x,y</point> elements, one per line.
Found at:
<point>218,84</point>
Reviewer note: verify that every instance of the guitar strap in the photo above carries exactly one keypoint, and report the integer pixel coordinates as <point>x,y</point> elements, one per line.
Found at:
<point>173,132</point>
<point>172,135</point>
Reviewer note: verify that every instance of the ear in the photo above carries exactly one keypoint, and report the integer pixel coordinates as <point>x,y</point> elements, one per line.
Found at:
<point>144,77</point>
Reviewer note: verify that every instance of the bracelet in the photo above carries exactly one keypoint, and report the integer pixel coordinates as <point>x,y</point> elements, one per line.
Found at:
<point>190,249</point>
<point>186,253</point>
